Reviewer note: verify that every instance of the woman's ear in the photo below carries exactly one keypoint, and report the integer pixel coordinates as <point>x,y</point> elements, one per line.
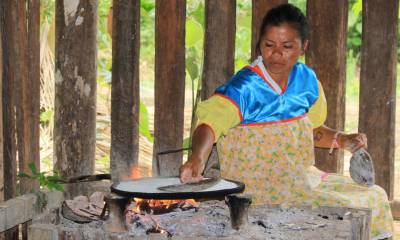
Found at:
<point>304,47</point>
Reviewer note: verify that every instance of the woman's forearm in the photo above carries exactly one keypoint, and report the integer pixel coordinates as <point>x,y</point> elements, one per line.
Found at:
<point>202,142</point>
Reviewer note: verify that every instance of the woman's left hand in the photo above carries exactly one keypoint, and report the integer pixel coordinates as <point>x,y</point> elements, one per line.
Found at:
<point>353,142</point>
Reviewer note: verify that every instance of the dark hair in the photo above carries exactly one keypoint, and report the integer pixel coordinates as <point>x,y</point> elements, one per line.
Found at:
<point>284,13</point>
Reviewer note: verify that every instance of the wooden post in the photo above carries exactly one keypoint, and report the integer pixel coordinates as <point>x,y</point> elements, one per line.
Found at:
<point>327,56</point>
<point>27,82</point>
<point>75,90</point>
<point>219,44</point>
<point>33,86</point>
<point>169,84</point>
<point>377,86</point>
<point>260,8</point>
<point>2,183</point>
<point>9,16</point>
<point>125,101</point>
<point>395,206</point>
<point>219,52</point>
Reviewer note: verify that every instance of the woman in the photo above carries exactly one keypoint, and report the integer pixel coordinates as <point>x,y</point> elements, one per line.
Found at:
<point>267,119</point>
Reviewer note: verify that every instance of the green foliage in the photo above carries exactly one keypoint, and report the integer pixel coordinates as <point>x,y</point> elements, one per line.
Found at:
<point>354,29</point>
<point>46,116</point>
<point>144,123</point>
<point>51,182</point>
<point>243,34</point>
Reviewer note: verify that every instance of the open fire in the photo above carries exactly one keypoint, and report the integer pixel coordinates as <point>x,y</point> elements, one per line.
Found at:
<point>142,212</point>
<point>154,206</point>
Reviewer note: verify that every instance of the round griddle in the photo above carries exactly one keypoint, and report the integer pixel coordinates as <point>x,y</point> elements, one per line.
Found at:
<point>147,188</point>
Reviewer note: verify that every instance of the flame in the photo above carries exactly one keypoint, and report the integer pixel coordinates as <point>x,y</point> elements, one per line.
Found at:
<point>138,172</point>
<point>135,173</point>
<point>165,204</point>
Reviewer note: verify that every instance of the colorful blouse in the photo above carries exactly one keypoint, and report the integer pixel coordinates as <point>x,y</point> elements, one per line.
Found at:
<point>249,98</point>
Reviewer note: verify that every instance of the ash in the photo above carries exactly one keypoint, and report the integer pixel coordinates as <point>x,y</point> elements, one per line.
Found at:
<point>211,219</point>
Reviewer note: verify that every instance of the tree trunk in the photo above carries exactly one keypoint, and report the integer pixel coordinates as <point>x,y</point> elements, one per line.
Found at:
<point>260,8</point>
<point>125,101</point>
<point>219,44</point>
<point>378,86</point>
<point>169,85</point>
<point>327,56</point>
<point>75,87</point>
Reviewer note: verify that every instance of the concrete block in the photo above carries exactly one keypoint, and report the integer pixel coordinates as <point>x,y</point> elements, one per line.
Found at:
<point>2,218</point>
<point>42,232</point>
<point>47,217</point>
<point>29,203</point>
<point>54,200</point>
<point>14,212</point>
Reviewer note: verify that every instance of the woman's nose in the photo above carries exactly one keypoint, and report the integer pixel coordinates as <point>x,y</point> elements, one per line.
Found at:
<point>277,51</point>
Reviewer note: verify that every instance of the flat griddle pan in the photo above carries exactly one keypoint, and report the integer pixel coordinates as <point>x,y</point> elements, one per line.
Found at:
<point>147,188</point>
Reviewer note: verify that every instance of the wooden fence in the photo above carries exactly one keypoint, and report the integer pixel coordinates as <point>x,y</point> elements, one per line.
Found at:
<point>75,99</point>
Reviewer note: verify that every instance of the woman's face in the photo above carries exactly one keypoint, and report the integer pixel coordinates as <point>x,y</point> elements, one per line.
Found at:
<point>280,48</point>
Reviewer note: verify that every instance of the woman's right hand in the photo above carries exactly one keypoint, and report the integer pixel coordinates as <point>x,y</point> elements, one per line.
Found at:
<point>192,169</point>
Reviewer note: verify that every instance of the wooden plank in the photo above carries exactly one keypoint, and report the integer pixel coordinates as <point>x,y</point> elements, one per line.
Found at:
<point>327,56</point>
<point>34,85</point>
<point>169,84</point>
<point>9,148</point>
<point>125,101</point>
<point>25,95</point>
<point>377,86</point>
<point>1,108</point>
<point>395,206</point>
<point>219,53</point>
<point>219,44</point>
<point>75,88</point>
<point>9,13</point>
<point>260,8</point>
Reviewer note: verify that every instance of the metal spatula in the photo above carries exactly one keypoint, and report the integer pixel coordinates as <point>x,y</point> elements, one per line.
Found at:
<point>362,168</point>
<point>191,187</point>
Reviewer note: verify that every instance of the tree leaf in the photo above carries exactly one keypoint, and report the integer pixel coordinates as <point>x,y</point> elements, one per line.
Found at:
<point>192,68</point>
<point>24,175</point>
<point>194,32</point>
<point>144,122</point>
<point>32,167</point>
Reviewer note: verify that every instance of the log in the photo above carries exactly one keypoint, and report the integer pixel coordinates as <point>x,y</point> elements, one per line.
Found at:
<point>378,86</point>
<point>75,88</point>
<point>259,9</point>
<point>125,100</point>
<point>327,56</point>
<point>169,84</point>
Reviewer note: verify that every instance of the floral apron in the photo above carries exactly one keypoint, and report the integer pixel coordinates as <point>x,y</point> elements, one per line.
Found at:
<point>275,161</point>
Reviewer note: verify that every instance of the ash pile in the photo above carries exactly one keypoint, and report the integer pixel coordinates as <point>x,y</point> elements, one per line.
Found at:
<point>188,219</point>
